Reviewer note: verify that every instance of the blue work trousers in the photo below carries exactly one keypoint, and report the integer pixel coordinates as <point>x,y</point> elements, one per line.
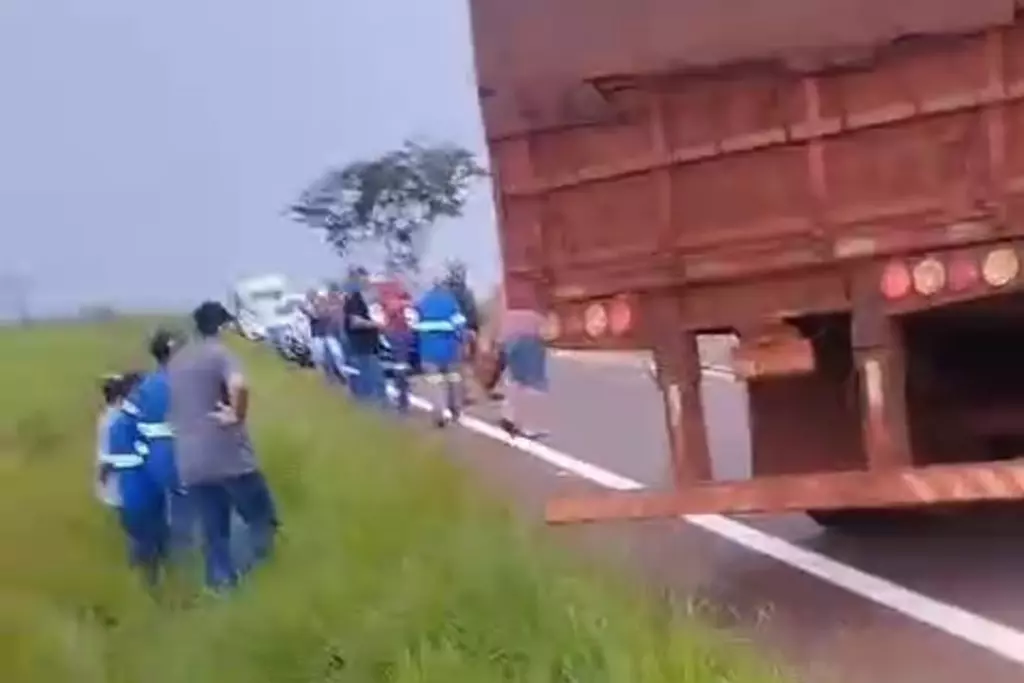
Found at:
<point>143,516</point>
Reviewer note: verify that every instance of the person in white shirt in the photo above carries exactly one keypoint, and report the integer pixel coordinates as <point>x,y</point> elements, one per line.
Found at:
<point>115,389</point>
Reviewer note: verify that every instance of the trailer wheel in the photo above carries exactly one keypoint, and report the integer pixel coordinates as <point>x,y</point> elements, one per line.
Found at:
<point>867,522</point>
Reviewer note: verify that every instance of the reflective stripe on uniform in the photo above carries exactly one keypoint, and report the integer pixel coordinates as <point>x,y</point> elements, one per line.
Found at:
<point>439,377</point>
<point>458,320</point>
<point>155,430</point>
<point>121,461</point>
<point>434,326</point>
<point>129,408</point>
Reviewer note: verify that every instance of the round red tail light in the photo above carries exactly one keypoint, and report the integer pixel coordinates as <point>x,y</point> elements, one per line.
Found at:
<point>551,328</point>
<point>1000,267</point>
<point>620,318</point>
<point>595,320</point>
<point>896,280</point>
<point>963,273</point>
<point>929,276</point>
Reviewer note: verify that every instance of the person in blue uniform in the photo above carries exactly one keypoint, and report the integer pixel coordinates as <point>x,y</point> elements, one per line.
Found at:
<point>150,402</point>
<point>439,323</point>
<point>143,508</point>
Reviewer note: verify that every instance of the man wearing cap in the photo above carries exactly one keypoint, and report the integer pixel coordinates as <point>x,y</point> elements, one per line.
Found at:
<point>148,404</point>
<point>215,457</point>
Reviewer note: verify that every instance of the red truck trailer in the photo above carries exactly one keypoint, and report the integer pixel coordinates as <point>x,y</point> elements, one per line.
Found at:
<point>838,183</point>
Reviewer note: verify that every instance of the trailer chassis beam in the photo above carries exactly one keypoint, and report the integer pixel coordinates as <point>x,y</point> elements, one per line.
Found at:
<point>905,487</point>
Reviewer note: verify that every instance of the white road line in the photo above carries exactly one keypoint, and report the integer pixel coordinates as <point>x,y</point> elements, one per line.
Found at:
<point>990,635</point>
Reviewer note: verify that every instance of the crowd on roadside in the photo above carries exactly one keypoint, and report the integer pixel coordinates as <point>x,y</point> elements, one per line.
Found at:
<point>375,344</point>
<point>174,453</point>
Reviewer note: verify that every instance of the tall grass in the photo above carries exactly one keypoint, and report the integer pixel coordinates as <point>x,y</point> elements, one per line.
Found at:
<point>392,567</point>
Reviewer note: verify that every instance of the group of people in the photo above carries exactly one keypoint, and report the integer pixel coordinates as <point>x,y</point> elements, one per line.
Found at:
<point>175,457</point>
<point>442,329</point>
<point>174,452</point>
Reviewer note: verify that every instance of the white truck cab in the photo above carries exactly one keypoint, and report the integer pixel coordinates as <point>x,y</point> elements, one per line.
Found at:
<point>256,302</point>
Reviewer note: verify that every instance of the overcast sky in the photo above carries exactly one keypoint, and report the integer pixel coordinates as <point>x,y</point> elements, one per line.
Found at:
<point>147,147</point>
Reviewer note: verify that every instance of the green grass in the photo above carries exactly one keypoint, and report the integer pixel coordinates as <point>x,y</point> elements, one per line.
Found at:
<point>392,567</point>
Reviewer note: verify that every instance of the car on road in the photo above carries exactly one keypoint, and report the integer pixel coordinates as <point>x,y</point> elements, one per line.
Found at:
<point>255,301</point>
<point>288,330</point>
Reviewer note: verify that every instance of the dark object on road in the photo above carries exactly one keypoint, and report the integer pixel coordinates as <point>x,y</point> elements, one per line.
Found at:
<point>831,180</point>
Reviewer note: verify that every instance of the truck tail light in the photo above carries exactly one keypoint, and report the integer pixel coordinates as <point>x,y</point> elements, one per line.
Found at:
<point>896,280</point>
<point>595,320</point>
<point>551,329</point>
<point>1000,267</point>
<point>929,276</point>
<point>620,317</point>
<point>963,273</point>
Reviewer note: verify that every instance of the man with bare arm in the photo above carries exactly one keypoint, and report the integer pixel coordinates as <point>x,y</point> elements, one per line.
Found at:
<point>209,400</point>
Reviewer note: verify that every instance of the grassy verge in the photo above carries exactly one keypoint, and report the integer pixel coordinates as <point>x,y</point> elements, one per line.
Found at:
<point>391,568</point>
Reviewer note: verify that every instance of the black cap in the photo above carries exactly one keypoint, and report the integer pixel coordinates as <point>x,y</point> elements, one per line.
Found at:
<point>210,316</point>
<point>163,343</point>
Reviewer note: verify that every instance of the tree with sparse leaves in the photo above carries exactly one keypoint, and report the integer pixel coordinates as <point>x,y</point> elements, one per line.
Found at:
<point>392,201</point>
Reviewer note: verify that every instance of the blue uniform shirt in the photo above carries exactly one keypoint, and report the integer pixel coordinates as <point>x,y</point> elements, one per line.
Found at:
<point>149,404</point>
<point>127,455</point>
<point>439,324</point>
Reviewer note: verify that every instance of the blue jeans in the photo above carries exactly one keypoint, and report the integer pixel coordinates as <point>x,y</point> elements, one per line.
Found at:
<point>249,496</point>
<point>368,385</point>
<point>143,516</point>
<point>182,519</point>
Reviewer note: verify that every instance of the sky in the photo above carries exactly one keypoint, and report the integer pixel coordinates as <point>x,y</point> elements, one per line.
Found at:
<point>147,148</point>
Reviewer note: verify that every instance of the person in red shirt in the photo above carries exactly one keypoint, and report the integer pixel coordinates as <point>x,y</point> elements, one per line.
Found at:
<point>395,304</point>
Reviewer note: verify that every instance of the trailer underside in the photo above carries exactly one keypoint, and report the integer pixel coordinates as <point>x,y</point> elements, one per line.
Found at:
<point>899,410</point>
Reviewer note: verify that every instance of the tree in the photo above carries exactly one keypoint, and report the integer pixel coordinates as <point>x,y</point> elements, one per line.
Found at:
<point>392,201</point>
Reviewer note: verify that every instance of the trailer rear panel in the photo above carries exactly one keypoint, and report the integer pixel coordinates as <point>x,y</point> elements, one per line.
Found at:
<point>702,145</point>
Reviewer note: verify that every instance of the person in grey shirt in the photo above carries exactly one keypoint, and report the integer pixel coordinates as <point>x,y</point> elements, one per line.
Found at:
<point>214,454</point>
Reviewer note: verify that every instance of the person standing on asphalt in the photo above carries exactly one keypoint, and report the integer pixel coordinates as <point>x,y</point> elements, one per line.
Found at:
<point>518,333</point>
<point>148,404</point>
<point>396,305</point>
<point>455,280</point>
<point>215,457</point>
<point>439,326</point>
<point>362,332</point>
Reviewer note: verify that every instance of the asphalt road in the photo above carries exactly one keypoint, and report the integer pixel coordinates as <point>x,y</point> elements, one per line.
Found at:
<point>939,609</point>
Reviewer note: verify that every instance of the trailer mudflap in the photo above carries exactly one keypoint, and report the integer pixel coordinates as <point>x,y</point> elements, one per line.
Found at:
<point>909,487</point>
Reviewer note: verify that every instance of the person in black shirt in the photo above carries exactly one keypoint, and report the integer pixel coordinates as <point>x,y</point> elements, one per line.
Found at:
<point>455,281</point>
<point>363,333</point>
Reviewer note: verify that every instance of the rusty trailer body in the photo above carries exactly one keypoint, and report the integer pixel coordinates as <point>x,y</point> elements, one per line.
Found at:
<point>840,183</point>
